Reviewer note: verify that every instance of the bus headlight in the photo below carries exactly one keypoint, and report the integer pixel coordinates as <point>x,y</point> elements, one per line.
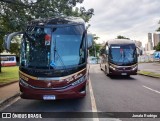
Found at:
<point>113,68</point>
<point>134,68</point>
<point>22,82</point>
<point>78,81</point>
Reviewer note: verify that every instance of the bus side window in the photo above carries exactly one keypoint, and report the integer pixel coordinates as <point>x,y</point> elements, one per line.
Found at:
<point>11,58</point>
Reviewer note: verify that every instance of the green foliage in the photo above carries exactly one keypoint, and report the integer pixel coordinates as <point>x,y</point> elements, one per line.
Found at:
<point>9,74</point>
<point>16,13</point>
<point>158,29</point>
<point>1,42</point>
<point>147,73</point>
<point>15,45</point>
<point>157,48</point>
<point>154,47</point>
<point>121,37</point>
<point>95,48</point>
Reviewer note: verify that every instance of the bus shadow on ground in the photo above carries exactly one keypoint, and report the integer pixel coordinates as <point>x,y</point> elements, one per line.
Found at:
<point>60,105</point>
<point>118,77</point>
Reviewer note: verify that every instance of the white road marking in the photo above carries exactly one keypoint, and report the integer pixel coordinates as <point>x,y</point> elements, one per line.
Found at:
<point>151,89</point>
<point>94,107</point>
<point>93,102</point>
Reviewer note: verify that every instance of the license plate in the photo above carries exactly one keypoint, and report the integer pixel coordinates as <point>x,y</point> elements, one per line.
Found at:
<point>49,97</point>
<point>123,73</point>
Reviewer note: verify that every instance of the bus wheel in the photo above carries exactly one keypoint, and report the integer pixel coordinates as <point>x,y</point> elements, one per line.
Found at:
<point>107,74</point>
<point>101,68</point>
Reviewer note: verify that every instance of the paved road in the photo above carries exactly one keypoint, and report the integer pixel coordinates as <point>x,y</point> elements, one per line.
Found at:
<point>125,94</point>
<point>153,67</point>
<point>135,94</point>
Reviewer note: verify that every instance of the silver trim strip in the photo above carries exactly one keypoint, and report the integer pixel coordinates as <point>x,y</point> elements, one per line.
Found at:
<point>49,79</point>
<point>123,66</point>
<point>59,88</point>
<point>58,78</point>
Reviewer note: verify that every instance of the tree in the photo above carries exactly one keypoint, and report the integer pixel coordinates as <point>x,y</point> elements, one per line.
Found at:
<point>158,29</point>
<point>157,48</point>
<point>16,13</point>
<point>95,48</point>
<point>121,37</point>
<point>25,11</point>
<point>154,48</point>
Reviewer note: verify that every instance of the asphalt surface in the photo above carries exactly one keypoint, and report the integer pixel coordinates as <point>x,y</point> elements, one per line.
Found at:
<point>153,67</point>
<point>117,94</point>
<point>123,94</point>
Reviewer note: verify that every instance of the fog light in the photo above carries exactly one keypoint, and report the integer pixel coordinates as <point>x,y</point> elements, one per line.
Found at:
<point>134,68</point>
<point>112,67</point>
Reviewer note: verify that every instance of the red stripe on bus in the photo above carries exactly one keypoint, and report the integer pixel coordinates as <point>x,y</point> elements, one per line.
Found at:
<point>8,64</point>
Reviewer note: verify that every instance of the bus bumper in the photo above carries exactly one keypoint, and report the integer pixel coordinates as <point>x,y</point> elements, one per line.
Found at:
<point>124,72</point>
<point>77,91</point>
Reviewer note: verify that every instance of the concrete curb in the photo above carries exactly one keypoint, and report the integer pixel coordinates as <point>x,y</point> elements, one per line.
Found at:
<point>147,75</point>
<point>7,100</point>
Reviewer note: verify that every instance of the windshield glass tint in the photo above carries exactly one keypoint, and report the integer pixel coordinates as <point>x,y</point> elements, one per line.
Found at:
<point>53,47</point>
<point>35,49</point>
<point>68,46</point>
<point>123,54</point>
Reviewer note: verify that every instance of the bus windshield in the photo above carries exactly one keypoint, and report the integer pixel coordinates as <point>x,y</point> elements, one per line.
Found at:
<point>123,54</point>
<point>58,47</point>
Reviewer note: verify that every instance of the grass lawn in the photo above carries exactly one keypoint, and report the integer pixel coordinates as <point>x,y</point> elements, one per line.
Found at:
<point>9,74</point>
<point>149,73</point>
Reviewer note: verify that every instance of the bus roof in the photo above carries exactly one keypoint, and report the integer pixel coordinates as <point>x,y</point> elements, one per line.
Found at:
<point>56,21</point>
<point>6,54</point>
<point>120,41</point>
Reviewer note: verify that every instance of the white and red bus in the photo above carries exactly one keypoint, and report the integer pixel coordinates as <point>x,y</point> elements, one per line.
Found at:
<point>7,60</point>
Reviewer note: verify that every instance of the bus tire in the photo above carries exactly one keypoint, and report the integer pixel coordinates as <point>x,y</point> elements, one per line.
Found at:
<point>107,72</point>
<point>101,68</point>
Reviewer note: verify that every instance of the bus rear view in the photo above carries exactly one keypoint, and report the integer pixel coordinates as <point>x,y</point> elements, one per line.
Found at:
<point>53,59</point>
<point>119,57</point>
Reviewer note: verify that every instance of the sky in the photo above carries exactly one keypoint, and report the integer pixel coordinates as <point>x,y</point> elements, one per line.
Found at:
<point>133,19</point>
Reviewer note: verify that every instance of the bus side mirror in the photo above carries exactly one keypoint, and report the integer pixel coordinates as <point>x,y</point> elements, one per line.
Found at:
<point>139,51</point>
<point>89,40</point>
<point>106,52</point>
<point>8,38</point>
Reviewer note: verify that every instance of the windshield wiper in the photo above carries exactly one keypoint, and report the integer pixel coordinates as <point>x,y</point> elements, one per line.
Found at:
<point>59,57</point>
<point>82,47</point>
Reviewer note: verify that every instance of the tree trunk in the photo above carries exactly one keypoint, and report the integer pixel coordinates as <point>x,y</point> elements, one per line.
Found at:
<point>0,68</point>
<point>0,63</point>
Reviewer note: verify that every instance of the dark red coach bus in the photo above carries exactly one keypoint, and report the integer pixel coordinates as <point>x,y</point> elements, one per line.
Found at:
<point>119,57</point>
<point>53,58</point>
